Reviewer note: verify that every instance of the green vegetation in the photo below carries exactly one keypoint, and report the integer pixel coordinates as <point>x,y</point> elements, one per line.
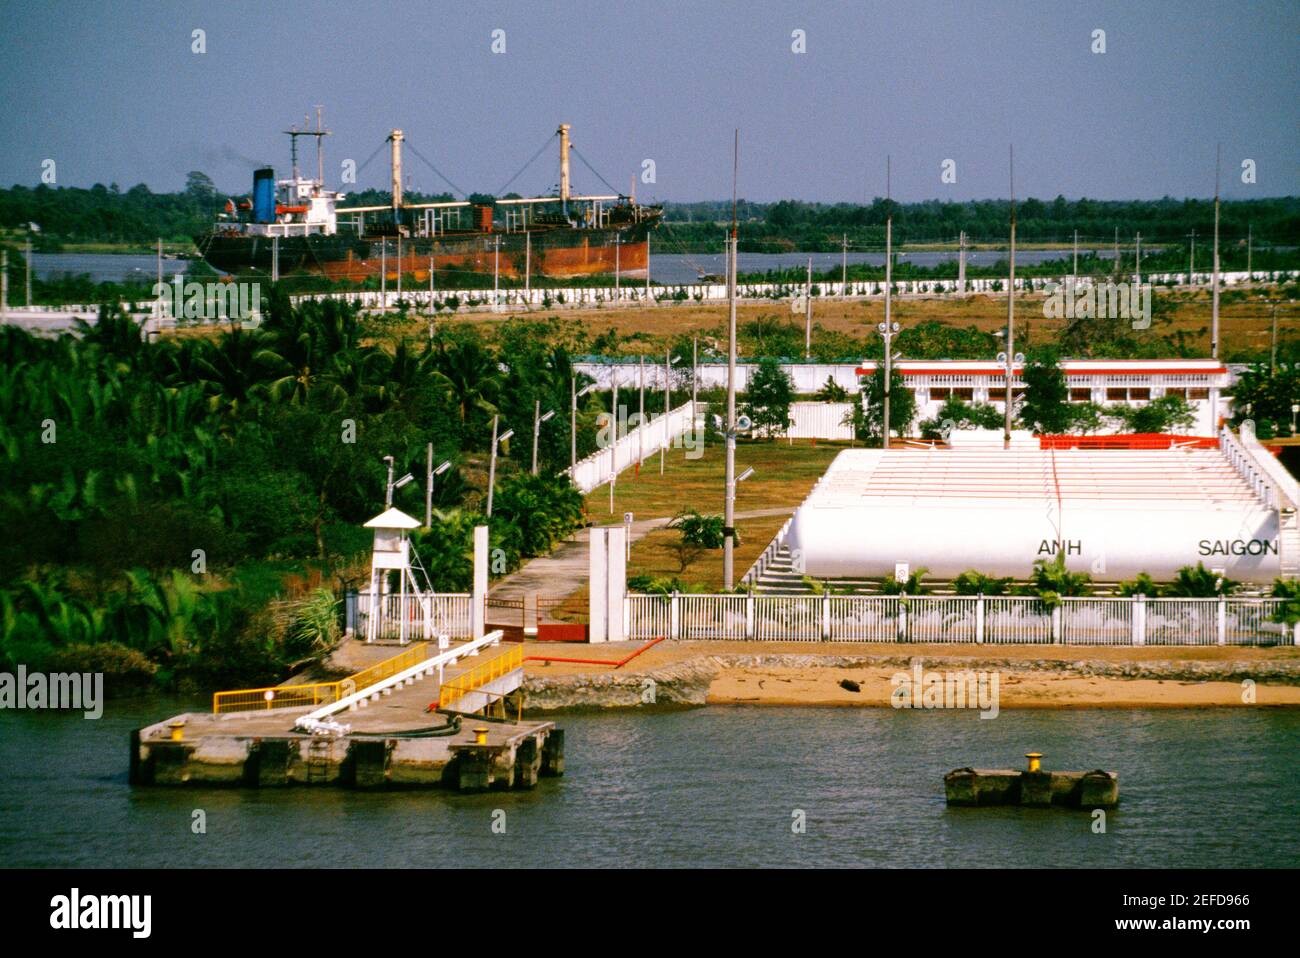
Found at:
<point>1266,398</point>
<point>768,398</point>
<point>191,509</point>
<point>790,225</point>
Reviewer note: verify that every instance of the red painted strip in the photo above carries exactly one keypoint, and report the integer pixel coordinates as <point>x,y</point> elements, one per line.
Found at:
<point>617,664</point>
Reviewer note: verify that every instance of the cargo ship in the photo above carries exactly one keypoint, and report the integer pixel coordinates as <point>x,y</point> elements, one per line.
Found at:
<point>296,225</point>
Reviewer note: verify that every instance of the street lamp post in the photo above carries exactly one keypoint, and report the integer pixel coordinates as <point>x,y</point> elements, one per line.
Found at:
<point>574,394</point>
<point>428,486</point>
<point>492,467</point>
<point>887,331</point>
<point>538,419</point>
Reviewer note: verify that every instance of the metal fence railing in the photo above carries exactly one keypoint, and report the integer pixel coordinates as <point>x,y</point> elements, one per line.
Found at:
<point>455,689</point>
<point>996,620</point>
<point>317,693</point>
<point>405,617</point>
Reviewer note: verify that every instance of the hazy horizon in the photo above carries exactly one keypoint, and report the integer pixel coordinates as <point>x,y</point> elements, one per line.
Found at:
<point>118,95</point>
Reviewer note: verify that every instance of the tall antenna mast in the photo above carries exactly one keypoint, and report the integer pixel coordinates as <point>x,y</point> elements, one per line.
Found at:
<point>729,510</point>
<point>1011,303</point>
<point>293,133</point>
<point>1214,294</point>
<point>887,331</point>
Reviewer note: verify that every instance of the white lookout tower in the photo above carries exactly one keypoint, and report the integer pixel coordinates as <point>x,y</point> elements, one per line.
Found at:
<point>392,553</point>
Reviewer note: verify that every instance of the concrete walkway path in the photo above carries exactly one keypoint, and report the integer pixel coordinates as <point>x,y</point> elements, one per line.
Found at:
<point>565,570</point>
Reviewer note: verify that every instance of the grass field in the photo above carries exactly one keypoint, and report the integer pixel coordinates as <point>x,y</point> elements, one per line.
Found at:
<point>784,473</point>
<point>1245,318</point>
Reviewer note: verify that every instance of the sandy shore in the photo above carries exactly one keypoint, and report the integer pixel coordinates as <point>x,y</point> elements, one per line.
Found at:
<point>793,673</point>
<point>1016,690</point>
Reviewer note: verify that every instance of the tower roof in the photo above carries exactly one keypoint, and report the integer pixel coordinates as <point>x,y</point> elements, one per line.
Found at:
<point>393,519</point>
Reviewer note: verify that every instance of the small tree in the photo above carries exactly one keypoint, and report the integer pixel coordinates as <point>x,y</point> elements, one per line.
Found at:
<point>1046,406</point>
<point>768,399</point>
<point>1199,583</point>
<point>978,583</point>
<point>902,406</point>
<point>831,391</point>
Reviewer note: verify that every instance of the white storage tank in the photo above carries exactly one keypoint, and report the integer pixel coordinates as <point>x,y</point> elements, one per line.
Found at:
<point>1113,513</point>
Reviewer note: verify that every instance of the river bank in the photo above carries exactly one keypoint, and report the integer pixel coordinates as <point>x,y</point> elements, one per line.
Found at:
<point>1028,677</point>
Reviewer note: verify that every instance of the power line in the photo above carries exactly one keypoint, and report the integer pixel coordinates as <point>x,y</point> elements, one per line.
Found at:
<point>612,189</point>
<point>530,162</point>
<point>425,161</point>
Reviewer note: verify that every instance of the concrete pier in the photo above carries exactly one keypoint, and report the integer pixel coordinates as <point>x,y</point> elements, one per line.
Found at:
<point>386,745</point>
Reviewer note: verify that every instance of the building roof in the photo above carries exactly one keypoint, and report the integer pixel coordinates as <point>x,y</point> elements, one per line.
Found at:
<point>393,519</point>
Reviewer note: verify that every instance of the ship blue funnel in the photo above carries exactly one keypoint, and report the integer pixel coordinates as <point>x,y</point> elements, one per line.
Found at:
<point>264,195</point>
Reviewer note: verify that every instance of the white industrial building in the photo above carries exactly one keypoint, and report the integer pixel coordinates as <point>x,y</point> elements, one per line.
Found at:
<point>1201,382</point>
<point>1111,513</point>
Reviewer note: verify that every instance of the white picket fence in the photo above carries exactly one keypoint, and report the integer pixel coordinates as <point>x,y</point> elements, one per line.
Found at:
<point>444,613</point>
<point>634,293</point>
<point>639,444</point>
<point>997,620</point>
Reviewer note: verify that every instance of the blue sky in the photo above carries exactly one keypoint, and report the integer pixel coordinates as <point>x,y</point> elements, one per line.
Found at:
<point>113,92</point>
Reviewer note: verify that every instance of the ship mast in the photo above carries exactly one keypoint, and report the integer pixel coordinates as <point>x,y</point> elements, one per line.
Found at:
<point>293,133</point>
<point>564,166</point>
<point>396,139</point>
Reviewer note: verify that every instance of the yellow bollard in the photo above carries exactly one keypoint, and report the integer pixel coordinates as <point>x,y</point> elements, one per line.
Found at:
<point>480,735</point>
<point>178,730</point>
<point>1035,760</point>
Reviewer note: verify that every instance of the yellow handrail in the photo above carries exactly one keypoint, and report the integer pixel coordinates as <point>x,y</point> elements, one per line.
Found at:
<point>319,693</point>
<point>481,674</point>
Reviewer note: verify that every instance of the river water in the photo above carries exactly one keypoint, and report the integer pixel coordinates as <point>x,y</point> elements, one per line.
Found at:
<point>665,267</point>
<point>712,786</point>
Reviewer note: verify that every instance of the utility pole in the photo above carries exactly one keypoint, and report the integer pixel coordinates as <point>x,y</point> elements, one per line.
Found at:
<point>613,449</point>
<point>844,266</point>
<point>1116,250</point>
<point>388,487</point>
<point>1249,273</point>
<point>1137,258</point>
<point>729,509</point>
<point>640,425</point>
<point>695,374</point>
<point>1191,259</point>
<point>618,292</point>
<point>1272,355</point>
<point>1011,301</point>
<point>537,429</point>
<point>428,483</point>
<point>399,266</point>
<point>573,423</point>
<point>528,266</point>
<point>383,274</point>
<point>1075,271</point>
<point>492,467</point>
<point>4,284</point>
<point>275,259</point>
<point>496,273</point>
<point>961,262</point>
<point>29,268</point>
<point>889,294</point>
<point>1214,292</point>
<point>668,398</point>
<point>807,314</point>
<point>648,300</point>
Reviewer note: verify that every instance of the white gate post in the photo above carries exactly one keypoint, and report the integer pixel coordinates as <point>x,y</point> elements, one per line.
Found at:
<point>478,601</point>
<point>826,616</point>
<point>749,615</point>
<point>615,582</point>
<point>597,596</point>
<point>674,615</point>
<point>1140,620</point>
<point>979,619</point>
<point>1223,620</point>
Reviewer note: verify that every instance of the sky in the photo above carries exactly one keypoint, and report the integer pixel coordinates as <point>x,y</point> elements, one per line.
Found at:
<point>116,93</point>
